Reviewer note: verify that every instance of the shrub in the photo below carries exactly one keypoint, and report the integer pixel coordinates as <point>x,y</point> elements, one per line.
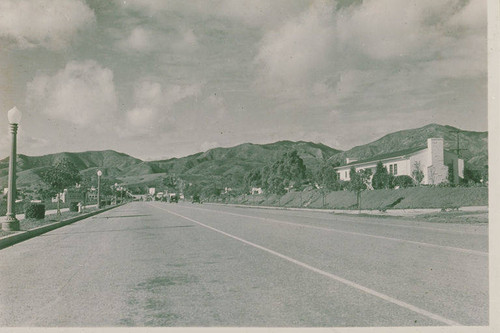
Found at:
<point>73,206</point>
<point>35,210</point>
<point>403,181</point>
<point>381,179</point>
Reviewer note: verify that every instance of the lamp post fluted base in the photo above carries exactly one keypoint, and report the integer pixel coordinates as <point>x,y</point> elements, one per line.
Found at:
<point>10,224</point>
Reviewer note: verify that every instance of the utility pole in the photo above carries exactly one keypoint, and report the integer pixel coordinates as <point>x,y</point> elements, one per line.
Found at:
<point>458,149</point>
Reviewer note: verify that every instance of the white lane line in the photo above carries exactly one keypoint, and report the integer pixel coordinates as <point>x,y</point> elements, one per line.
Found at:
<point>324,273</point>
<point>451,248</point>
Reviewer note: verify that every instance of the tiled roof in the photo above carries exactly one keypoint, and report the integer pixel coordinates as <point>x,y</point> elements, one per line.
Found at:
<point>386,155</point>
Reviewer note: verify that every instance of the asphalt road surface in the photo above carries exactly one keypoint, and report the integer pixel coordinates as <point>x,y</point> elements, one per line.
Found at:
<point>159,264</point>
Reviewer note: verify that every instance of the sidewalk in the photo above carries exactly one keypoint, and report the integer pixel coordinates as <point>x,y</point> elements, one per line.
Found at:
<point>51,212</point>
<point>388,212</point>
<point>19,236</point>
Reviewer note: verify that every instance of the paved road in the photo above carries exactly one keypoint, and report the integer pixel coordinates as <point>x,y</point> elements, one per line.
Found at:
<point>159,264</point>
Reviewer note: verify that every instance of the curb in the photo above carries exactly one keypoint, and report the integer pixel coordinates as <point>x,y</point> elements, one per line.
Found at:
<point>13,239</point>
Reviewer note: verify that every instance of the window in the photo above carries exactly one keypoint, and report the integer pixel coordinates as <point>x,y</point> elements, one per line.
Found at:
<point>395,169</point>
<point>390,169</point>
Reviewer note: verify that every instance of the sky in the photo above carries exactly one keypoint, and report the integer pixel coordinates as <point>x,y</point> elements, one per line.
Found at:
<point>160,79</point>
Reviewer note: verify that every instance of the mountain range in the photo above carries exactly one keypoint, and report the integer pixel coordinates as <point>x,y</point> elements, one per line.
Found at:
<point>229,165</point>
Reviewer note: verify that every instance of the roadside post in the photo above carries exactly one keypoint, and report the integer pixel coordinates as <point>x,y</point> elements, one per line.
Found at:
<point>11,223</point>
<point>99,174</point>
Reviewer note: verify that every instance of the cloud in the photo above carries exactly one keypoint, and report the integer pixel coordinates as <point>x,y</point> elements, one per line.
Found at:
<point>257,13</point>
<point>153,104</point>
<point>141,119</point>
<point>297,52</point>
<point>148,38</point>
<point>371,54</point>
<point>187,41</point>
<point>83,93</point>
<point>140,39</point>
<point>47,23</point>
<point>386,29</point>
<point>471,17</point>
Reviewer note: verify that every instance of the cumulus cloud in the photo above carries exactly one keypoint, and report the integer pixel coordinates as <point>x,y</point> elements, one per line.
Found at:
<point>297,52</point>
<point>328,56</point>
<point>153,103</point>
<point>46,23</point>
<point>140,39</point>
<point>145,39</point>
<point>82,93</point>
<point>386,29</point>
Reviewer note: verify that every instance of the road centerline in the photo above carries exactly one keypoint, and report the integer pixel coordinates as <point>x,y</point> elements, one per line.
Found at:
<point>352,284</point>
<point>451,248</point>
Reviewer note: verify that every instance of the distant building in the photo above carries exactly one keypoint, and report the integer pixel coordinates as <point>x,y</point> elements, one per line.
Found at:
<point>432,160</point>
<point>92,195</point>
<point>70,195</point>
<point>62,196</point>
<point>151,191</point>
<point>256,190</point>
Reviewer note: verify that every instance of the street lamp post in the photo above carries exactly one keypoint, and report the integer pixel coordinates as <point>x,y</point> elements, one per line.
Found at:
<point>99,174</point>
<point>11,223</point>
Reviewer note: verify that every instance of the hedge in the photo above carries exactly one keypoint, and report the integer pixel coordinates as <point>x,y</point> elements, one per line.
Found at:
<point>35,210</point>
<point>73,206</point>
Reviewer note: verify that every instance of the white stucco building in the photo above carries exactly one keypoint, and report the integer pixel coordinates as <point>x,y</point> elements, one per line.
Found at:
<point>433,161</point>
<point>256,190</point>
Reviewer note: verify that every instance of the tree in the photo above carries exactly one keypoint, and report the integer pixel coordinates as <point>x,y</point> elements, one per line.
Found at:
<point>417,172</point>
<point>359,182</point>
<point>451,174</point>
<point>326,177</point>
<point>192,189</point>
<point>403,181</point>
<point>170,181</point>
<point>381,178</point>
<point>253,179</point>
<point>288,171</point>
<point>294,168</point>
<point>59,177</point>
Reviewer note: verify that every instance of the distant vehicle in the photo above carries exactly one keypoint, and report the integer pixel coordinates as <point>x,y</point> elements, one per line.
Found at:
<point>196,198</point>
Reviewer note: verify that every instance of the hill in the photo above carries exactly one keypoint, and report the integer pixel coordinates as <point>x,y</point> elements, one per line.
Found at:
<point>228,166</point>
<point>112,163</point>
<point>475,143</point>
<point>245,156</point>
